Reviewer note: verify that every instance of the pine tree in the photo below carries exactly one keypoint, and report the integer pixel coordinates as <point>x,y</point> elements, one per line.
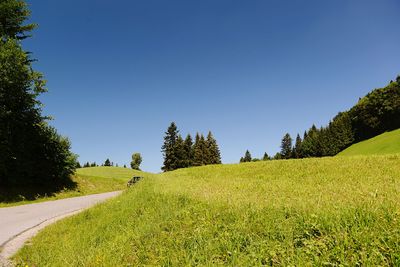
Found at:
<point>213,153</point>
<point>247,157</point>
<point>107,163</point>
<point>286,146</point>
<point>169,148</point>
<point>266,157</point>
<point>180,153</point>
<point>297,151</point>
<point>199,151</point>
<point>188,148</point>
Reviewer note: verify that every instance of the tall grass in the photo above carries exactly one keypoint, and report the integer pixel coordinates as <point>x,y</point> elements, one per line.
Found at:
<point>324,212</point>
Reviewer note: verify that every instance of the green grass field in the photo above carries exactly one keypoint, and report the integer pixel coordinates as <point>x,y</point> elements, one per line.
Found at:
<point>386,143</point>
<point>87,181</point>
<point>339,211</point>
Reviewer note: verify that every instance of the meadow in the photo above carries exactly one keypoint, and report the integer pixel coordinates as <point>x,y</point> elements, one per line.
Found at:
<point>339,211</point>
<point>86,181</point>
<point>386,143</point>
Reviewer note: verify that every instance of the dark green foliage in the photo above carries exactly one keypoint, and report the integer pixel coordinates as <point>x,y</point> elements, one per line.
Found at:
<point>107,163</point>
<point>277,156</point>
<point>214,155</point>
<point>266,157</point>
<point>200,154</point>
<point>286,146</point>
<point>310,145</point>
<point>247,157</point>
<point>168,148</point>
<point>136,161</point>
<point>377,112</point>
<point>188,151</point>
<point>31,151</point>
<point>179,153</point>
<point>13,13</point>
<point>78,165</point>
<point>124,165</point>
<point>297,150</point>
<point>398,79</point>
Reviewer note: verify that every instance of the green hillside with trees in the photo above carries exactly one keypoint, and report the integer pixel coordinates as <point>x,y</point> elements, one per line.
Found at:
<point>386,143</point>
<point>374,114</point>
<point>333,211</point>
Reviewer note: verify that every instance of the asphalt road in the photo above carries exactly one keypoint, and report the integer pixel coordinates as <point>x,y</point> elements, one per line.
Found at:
<point>19,223</point>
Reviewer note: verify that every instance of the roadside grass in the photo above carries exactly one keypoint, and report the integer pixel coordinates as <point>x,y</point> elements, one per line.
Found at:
<point>340,211</point>
<point>86,181</point>
<point>386,143</point>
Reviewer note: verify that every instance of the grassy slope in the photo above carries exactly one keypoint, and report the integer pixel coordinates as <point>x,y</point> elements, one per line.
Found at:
<point>341,210</point>
<point>88,180</point>
<point>386,143</point>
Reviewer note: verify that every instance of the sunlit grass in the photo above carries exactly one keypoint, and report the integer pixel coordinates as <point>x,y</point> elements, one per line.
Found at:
<point>329,211</point>
<point>386,143</point>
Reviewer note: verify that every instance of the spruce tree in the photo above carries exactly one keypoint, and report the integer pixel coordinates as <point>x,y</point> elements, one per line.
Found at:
<point>297,152</point>
<point>266,157</point>
<point>107,163</point>
<point>188,150</point>
<point>247,157</point>
<point>169,148</point>
<point>199,151</point>
<point>214,155</point>
<point>286,146</point>
<point>180,153</point>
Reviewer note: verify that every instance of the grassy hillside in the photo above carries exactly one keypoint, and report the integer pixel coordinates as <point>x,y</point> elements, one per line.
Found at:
<point>109,172</point>
<point>86,181</point>
<point>324,212</point>
<point>386,143</point>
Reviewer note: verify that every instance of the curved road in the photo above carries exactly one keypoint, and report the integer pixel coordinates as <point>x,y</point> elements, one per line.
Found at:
<point>17,224</point>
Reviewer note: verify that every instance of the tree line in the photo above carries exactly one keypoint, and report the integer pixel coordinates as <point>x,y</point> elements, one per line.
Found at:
<point>374,114</point>
<point>182,153</point>
<point>31,151</point>
<point>135,163</point>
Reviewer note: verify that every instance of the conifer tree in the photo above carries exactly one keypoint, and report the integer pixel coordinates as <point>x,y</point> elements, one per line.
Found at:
<point>180,153</point>
<point>169,148</point>
<point>197,151</point>
<point>107,163</point>
<point>266,157</point>
<point>214,155</point>
<point>247,157</point>
<point>286,146</point>
<point>297,152</point>
<point>188,150</point>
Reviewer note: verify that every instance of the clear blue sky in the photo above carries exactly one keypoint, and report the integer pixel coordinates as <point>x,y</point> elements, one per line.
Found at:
<point>120,71</point>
